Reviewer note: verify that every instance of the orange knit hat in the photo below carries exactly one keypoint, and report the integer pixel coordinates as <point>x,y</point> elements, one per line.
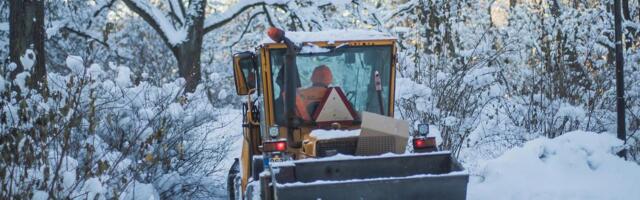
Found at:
<point>322,76</point>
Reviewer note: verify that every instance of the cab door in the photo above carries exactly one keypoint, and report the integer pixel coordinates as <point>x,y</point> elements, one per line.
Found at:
<point>244,72</point>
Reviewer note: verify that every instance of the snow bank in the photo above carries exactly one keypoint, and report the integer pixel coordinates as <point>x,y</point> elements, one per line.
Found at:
<point>576,165</point>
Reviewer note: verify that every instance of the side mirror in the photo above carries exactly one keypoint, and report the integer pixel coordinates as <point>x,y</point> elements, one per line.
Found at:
<point>244,72</point>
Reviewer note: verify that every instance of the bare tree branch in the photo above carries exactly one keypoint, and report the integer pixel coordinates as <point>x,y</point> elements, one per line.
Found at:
<point>246,28</point>
<point>149,13</point>
<point>104,7</point>
<point>177,10</point>
<point>211,24</point>
<point>84,35</point>
<point>266,12</point>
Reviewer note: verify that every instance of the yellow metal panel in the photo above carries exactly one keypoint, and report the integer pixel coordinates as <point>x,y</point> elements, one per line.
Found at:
<point>241,87</point>
<point>245,160</point>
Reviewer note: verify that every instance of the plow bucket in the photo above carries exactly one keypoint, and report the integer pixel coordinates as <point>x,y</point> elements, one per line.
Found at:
<point>388,176</point>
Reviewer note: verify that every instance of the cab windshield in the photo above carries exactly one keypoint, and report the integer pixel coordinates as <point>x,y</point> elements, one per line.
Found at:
<point>352,69</point>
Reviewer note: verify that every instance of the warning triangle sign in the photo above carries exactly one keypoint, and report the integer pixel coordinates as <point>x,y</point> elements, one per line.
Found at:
<point>334,108</point>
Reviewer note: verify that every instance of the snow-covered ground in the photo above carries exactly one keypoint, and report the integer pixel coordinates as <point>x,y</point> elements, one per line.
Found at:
<point>576,165</point>
<point>231,126</point>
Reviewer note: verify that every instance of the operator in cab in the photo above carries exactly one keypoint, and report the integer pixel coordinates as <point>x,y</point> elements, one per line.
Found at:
<point>308,99</point>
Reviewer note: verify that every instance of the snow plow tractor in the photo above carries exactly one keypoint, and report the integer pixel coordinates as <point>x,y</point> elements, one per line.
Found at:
<point>318,124</point>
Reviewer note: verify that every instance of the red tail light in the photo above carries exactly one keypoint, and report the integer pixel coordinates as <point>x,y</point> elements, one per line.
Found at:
<point>421,143</point>
<point>276,146</point>
<point>281,146</point>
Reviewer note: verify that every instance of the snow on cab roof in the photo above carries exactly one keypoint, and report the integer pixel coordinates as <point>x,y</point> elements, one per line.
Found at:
<point>333,36</point>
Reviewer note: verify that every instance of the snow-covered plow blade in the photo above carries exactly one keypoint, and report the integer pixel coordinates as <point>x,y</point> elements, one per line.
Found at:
<point>410,176</point>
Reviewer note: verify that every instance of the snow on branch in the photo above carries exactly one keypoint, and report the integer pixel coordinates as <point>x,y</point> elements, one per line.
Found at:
<point>158,21</point>
<point>177,9</point>
<point>399,10</point>
<point>215,21</point>
<point>87,35</point>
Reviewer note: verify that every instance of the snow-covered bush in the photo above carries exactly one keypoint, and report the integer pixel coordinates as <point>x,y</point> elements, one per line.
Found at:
<point>491,86</point>
<point>96,134</point>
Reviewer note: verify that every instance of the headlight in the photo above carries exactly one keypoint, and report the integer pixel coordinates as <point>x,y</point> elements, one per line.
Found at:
<point>274,132</point>
<point>423,129</point>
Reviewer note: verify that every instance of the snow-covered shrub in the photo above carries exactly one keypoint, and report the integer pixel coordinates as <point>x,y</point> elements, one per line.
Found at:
<point>96,134</point>
<point>490,86</point>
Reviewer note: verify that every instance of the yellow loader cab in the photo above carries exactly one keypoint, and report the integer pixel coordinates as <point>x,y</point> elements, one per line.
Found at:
<point>336,79</point>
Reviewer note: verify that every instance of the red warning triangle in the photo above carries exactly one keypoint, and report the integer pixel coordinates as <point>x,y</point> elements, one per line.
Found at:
<point>334,107</point>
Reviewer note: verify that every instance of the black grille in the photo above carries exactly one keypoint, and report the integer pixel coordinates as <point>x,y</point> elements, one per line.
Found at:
<point>331,147</point>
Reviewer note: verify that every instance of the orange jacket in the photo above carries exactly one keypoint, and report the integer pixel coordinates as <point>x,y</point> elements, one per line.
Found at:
<point>306,97</point>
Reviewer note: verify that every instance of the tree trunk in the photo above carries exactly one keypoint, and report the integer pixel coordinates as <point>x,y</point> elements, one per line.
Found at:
<point>26,32</point>
<point>188,53</point>
<point>188,56</point>
<point>620,103</point>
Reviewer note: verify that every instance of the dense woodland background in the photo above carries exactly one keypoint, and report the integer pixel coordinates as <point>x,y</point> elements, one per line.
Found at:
<point>109,98</point>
